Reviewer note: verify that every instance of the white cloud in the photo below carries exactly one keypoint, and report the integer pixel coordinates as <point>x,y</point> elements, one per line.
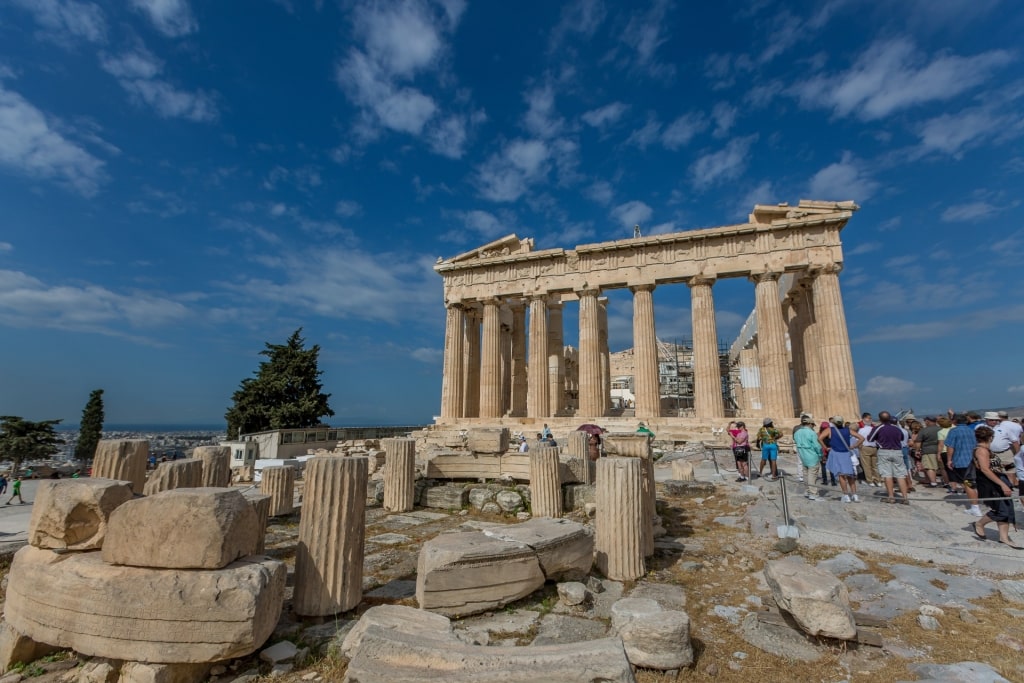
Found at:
<point>864,248</point>
<point>890,224</point>
<point>1017,389</point>
<point>762,193</point>
<point>644,137</point>
<point>347,208</point>
<point>278,209</point>
<point>67,20</point>
<point>724,115</point>
<point>138,73</point>
<point>601,192</point>
<point>580,16</point>
<point>30,145</point>
<point>884,386</point>
<point>425,355</point>
<point>542,119</point>
<point>843,180</point>
<point>971,211</point>
<point>5,247</point>
<point>605,116</point>
<point>483,223</point>
<point>683,129</point>
<point>173,18</point>
<point>645,33</point>
<point>891,75</point>
<point>997,119</point>
<point>632,213</point>
<point>725,164</point>
<point>508,174</point>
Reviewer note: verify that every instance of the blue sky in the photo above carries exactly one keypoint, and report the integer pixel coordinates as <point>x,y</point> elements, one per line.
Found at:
<point>181,181</point>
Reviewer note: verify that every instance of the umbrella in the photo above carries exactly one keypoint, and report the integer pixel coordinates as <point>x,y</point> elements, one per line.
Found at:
<point>590,429</point>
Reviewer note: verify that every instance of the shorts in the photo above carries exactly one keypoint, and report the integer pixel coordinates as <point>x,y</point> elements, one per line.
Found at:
<point>1020,487</point>
<point>770,451</point>
<point>930,461</point>
<point>890,464</point>
<point>741,454</point>
<point>959,475</point>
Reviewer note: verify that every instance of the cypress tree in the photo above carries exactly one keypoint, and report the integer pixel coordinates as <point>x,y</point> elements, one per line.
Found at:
<point>91,429</point>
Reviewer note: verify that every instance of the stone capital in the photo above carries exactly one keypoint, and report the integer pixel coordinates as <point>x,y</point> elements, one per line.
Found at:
<point>457,305</point>
<point>555,303</point>
<point>588,291</point>
<point>645,287</point>
<point>701,280</point>
<point>491,301</point>
<point>826,268</point>
<point>764,276</point>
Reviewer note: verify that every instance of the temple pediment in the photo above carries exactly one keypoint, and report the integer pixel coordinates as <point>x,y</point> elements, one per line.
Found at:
<point>508,245</point>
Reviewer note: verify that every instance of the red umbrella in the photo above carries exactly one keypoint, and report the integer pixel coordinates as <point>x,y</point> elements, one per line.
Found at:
<point>591,429</point>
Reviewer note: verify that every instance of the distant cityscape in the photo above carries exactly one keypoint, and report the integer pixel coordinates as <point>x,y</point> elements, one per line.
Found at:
<point>172,441</point>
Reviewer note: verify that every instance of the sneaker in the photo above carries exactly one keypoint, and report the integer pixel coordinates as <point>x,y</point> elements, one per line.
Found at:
<point>810,497</point>
<point>974,510</point>
<point>846,499</point>
<point>739,478</point>
<point>856,498</point>
<point>876,484</point>
<point>800,479</point>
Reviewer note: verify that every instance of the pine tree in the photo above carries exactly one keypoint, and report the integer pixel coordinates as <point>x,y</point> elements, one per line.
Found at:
<point>22,439</point>
<point>285,393</point>
<point>91,429</point>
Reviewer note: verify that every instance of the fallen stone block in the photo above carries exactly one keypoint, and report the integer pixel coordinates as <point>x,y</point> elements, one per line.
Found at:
<point>674,487</point>
<point>216,465</point>
<point>471,572</point>
<point>627,445</point>
<point>817,600</point>
<point>77,601</point>
<point>788,642</point>
<point>396,618</point>
<point>72,514</point>
<point>658,641</point>
<point>565,549</point>
<point>961,672</point>
<point>492,441</point>
<point>144,672</point>
<point>16,647</point>
<point>204,528</point>
<point>448,497</point>
<point>123,460</point>
<point>178,474</point>
<point>682,470</point>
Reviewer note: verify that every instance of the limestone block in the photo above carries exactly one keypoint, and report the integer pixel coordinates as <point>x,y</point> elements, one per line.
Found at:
<point>178,474</point>
<point>216,465</point>
<point>478,497</point>
<point>582,469</point>
<point>627,445</point>
<point>545,484</point>
<point>16,647</point>
<point>818,601</point>
<point>144,672</point>
<point>448,497</point>
<point>97,670</point>
<point>577,496</point>
<point>396,618</point>
<point>626,610</point>
<point>261,506</point>
<point>72,514</point>
<point>204,528</point>
<point>682,470</point>
<point>399,474</point>
<point>565,549</point>
<point>75,600</point>
<point>493,441</point>
<point>572,593</point>
<point>579,443</point>
<point>471,572</point>
<point>619,542</point>
<point>509,501</point>
<point>658,641</point>
<point>278,482</point>
<point>122,460</point>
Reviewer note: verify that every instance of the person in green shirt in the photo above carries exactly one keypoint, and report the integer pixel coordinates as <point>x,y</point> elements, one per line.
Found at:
<point>768,441</point>
<point>808,449</point>
<point>16,491</point>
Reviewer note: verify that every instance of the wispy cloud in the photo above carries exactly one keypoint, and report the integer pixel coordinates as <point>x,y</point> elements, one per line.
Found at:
<point>725,164</point>
<point>67,21</point>
<point>507,175</point>
<point>683,129</point>
<point>632,213</point>
<point>605,116</point>
<point>140,74</point>
<point>886,387</point>
<point>644,34</point>
<point>842,180</point>
<point>864,248</point>
<point>173,18</point>
<point>968,212</point>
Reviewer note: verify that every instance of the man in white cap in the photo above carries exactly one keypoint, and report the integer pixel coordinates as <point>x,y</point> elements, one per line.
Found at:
<point>1012,428</point>
<point>1005,442</point>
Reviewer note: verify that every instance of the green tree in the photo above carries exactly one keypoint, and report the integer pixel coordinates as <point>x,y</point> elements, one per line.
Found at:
<point>285,393</point>
<point>22,439</point>
<point>91,428</point>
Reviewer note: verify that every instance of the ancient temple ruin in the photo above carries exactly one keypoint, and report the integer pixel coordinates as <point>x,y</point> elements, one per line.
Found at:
<point>793,356</point>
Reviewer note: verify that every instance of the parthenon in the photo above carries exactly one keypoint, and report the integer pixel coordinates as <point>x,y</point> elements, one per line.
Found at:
<point>793,354</point>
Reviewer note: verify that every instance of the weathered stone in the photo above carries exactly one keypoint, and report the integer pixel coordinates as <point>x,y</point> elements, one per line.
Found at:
<point>619,543</point>
<point>73,514</point>
<point>578,496</point>
<point>627,445</point>
<point>177,474</point>
<point>565,629</point>
<point>491,441</point>
<point>565,549</point>
<point>97,670</point>
<point>682,471</point>
<point>75,600</point>
<point>545,485</point>
<point>778,640</point>
<point>329,554</point>
<point>204,528</point>
<point>144,672</point>
<point>658,641</point>
<point>628,609</point>
<point>478,497</point>
<point>491,508</point>
<point>16,647</point>
<point>283,651</point>
<point>396,618</point>
<point>509,501</point>
<point>122,460</point>
<point>572,593</point>
<point>962,672</point>
<point>818,601</point>
<point>261,506</point>
<point>399,474</point>
<point>674,487</point>
<point>216,465</point>
<point>928,623</point>
<point>448,497</point>
<point>470,572</point>
<point>668,595</point>
<point>278,482</point>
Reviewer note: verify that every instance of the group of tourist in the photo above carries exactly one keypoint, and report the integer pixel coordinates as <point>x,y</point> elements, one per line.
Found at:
<point>977,455</point>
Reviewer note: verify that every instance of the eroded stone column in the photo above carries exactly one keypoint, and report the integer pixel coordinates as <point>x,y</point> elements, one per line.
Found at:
<point>776,387</point>
<point>591,402</point>
<point>124,460</point>
<point>707,373</point>
<point>606,356</point>
<point>490,361</point>
<point>506,369</point>
<point>278,482</point>
<point>329,553</point>
<point>177,474</point>
<point>618,542</point>
<point>399,474</point>
<point>545,485</point>
<point>816,394</point>
<point>216,464</point>
<point>804,357</point>
<point>519,381</point>
<point>472,372</point>
<point>453,380</point>
<point>646,383</point>
<point>579,462</point>
<point>838,379</point>
<point>538,403</point>
<point>556,358</point>
<point>750,378</point>
<point>261,506</point>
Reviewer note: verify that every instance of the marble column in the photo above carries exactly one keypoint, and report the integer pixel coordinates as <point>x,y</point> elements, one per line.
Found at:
<point>591,402</point>
<point>506,369</point>
<point>278,482</point>
<point>707,373</point>
<point>606,356</point>
<point>260,504</point>
<point>124,460</point>
<point>556,358</point>
<point>816,395</point>
<point>332,529</point>
<point>176,474</point>
<point>519,373</point>
<point>490,361</point>
<point>646,383</point>
<point>838,379</point>
<point>805,354</point>
<point>750,378</point>
<point>453,378</point>
<point>216,464</point>
<point>399,474</point>
<point>538,403</point>
<point>545,485</point>
<point>776,387</point>
<point>471,394</point>
<point>619,535</point>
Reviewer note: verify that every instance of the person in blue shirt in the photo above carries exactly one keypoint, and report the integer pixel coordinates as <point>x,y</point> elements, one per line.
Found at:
<point>960,445</point>
<point>809,451</point>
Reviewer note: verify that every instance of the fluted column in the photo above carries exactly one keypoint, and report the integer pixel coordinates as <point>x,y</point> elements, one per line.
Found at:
<point>453,378</point>
<point>545,485</point>
<point>176,474</point>
<point>216,464</point>
<point>490,361</point>
<point>471,393</point>
<point>646,383</point>
<point>776,387</point>
<point>838,379</point>
<point>618,541</point>
<point>750,378</point>
<point>278,482</point>
<point>538,403</point>
<point>707,374</point>
<point>124,460</point>
<point>261,506</point>
<point>506,369</point>
<point>519,382</point>
<point>815,390</point>
<point>580,463</point>
<point>606,356</point>
<point>591,402</point>
<point>556,358</point>
<point>329,553</point>
<point>399,474</point>
<point>798,318</point>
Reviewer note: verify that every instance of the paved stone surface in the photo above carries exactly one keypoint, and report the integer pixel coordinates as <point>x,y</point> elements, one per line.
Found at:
<point>557,629</point>
<point>389,539</point>
<point>963,672</point>
<point>669,596</point>
<point>394,590</point>
<point>842,564</point>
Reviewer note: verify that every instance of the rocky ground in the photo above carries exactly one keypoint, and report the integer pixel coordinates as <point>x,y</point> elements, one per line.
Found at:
<point>916,609</point>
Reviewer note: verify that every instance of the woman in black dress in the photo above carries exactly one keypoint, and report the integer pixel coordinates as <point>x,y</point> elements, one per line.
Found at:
<point>992,482</point>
